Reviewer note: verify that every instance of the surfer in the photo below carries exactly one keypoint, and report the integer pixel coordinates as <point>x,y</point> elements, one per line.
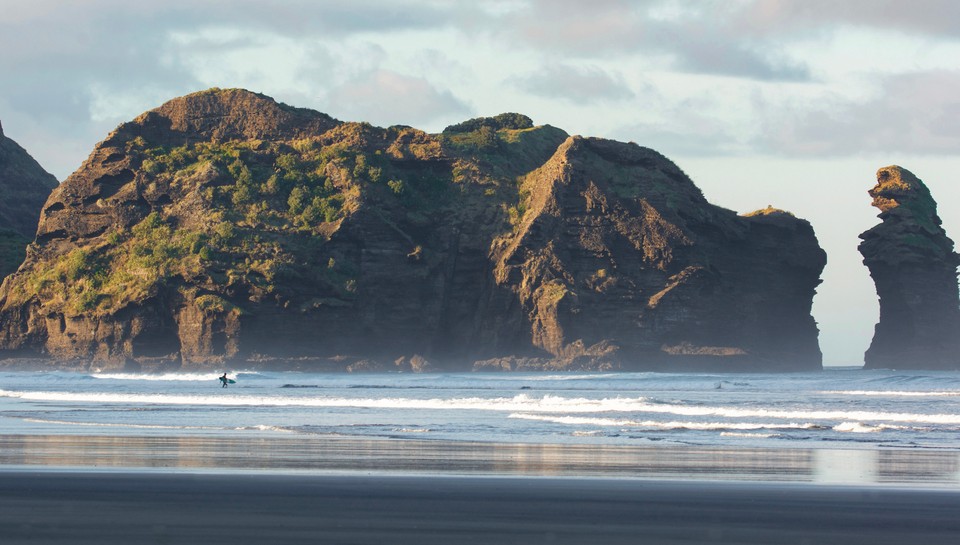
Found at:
<point>224,380</point>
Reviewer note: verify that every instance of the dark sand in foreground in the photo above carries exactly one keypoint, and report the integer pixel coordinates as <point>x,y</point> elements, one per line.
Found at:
<point>125,508</point>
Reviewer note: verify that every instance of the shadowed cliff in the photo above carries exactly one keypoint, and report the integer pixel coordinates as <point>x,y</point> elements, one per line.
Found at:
<point>24,186</point>
<point>225,227</point>
<point>914,267</point>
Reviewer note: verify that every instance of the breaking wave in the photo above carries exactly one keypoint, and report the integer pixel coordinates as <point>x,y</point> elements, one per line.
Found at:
<point>652,424</point>
<point>176,377</point>
<point>116,425</point>
<point>880,393</point>
<point>749,435</point>
<point>522,403</point>
<point>860,427</point>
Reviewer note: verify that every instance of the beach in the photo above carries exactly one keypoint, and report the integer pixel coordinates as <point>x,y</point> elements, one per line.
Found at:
<point>119,490</point>
<point>122,508</point>
<point>836,457</point>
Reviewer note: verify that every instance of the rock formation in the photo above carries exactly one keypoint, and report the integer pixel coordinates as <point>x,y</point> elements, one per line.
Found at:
<point>24,186</point>
<point>914,267</point>
<point>225,227</point>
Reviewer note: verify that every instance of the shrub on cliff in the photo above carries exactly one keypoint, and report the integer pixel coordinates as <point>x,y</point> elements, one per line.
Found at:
<point>498,122</point>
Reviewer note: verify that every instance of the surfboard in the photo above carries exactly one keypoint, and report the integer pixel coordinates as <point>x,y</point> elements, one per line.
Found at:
<point>231,381</point>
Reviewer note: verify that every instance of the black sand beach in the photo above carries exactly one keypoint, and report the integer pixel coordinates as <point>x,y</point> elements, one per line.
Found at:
<point>115,508</point>
<point>206,490</point>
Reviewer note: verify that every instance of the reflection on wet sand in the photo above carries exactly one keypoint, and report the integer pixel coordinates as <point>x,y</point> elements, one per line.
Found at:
<point>919,466</point>
<point>334,454</point>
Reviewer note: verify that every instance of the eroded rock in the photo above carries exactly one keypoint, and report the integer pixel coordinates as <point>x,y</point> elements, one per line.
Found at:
<point>914,267</point>
<point>24,186</point>
<point>224,227</point>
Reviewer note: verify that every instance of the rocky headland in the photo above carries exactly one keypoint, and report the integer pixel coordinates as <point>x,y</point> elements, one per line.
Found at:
<point>24,186</point>
<point>914,267</point>
<point>226,228</point>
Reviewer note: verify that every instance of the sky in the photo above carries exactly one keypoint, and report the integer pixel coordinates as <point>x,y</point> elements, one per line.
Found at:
<point>790,103</point>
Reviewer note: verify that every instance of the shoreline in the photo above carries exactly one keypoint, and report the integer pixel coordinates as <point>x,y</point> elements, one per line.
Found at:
<point>115,508</point>
<point>323,455</point>
<point>359,365</point>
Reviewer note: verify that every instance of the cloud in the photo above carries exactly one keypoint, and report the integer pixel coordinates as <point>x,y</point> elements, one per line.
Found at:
<point>689,132</point>
<point>384,97</point>
<point>694,37</point>
<point>574,84</point>
<point>292,17</point>
<point>76,69</point>
<point>746,39</point>
<point>774,17</point>
<point>73,70</point>
<point>703,48</point>
<point>917,113</point>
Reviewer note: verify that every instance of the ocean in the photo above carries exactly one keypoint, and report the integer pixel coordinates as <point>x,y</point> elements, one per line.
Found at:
<point>479,416</point>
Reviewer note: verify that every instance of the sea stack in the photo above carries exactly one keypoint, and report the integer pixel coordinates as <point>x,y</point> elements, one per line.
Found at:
<point>914,267</point>
<point>24,186</point>
<point>226,227</point>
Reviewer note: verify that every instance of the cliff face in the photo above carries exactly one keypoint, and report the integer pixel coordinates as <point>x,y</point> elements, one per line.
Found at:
<point>24,186</point>
<point>620,258</point>
<point>223,226</point>
<point>914,267</point>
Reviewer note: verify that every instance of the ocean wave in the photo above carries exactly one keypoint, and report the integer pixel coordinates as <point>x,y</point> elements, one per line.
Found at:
<point>749,435</point>
<point>179,377</point>
<point>881,393</point>
<point>35,420</point>
<point>938,379</point>
<point>653,424</point>
<point>569,377</point>
<point>860,427</point>
<point>522,403</point>
<point>265,427</point>
<point>801,414</point>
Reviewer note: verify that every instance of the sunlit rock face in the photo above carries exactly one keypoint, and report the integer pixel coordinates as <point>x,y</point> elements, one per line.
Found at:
<point>914,267</point>
<point>224,227</point>
<point>24,186</point>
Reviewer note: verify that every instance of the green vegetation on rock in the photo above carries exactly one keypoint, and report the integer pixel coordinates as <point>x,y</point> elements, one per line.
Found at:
<point>496,123</point>
<point>129,267</point>
<point>222,226</point>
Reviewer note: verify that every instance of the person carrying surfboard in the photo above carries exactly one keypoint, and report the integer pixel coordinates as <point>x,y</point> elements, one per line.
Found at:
<point>224,380</point>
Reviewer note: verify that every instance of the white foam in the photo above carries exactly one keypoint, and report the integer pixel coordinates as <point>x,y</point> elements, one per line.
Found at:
<point>860,427</point>
<point>116,425</point>
<point>881,393</point>
<point>748,435</point>
<point>182,377</point>
<point>800,414</point>
<point>604,376</point>
<point>652,424</point>
<point>264,427</point>
<point>523,403</point>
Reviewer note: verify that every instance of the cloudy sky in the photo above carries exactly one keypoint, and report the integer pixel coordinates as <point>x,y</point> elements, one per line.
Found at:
<point>793,103</point>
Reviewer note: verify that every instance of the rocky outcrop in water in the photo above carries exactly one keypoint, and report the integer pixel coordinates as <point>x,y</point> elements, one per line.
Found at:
<point>914,267</point>
<point>224,227</point>
<point>24,186</point>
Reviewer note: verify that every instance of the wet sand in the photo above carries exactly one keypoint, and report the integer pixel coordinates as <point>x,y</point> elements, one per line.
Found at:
<point>330,454</point>
<point>123,508</point>
<point>273,490</point>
